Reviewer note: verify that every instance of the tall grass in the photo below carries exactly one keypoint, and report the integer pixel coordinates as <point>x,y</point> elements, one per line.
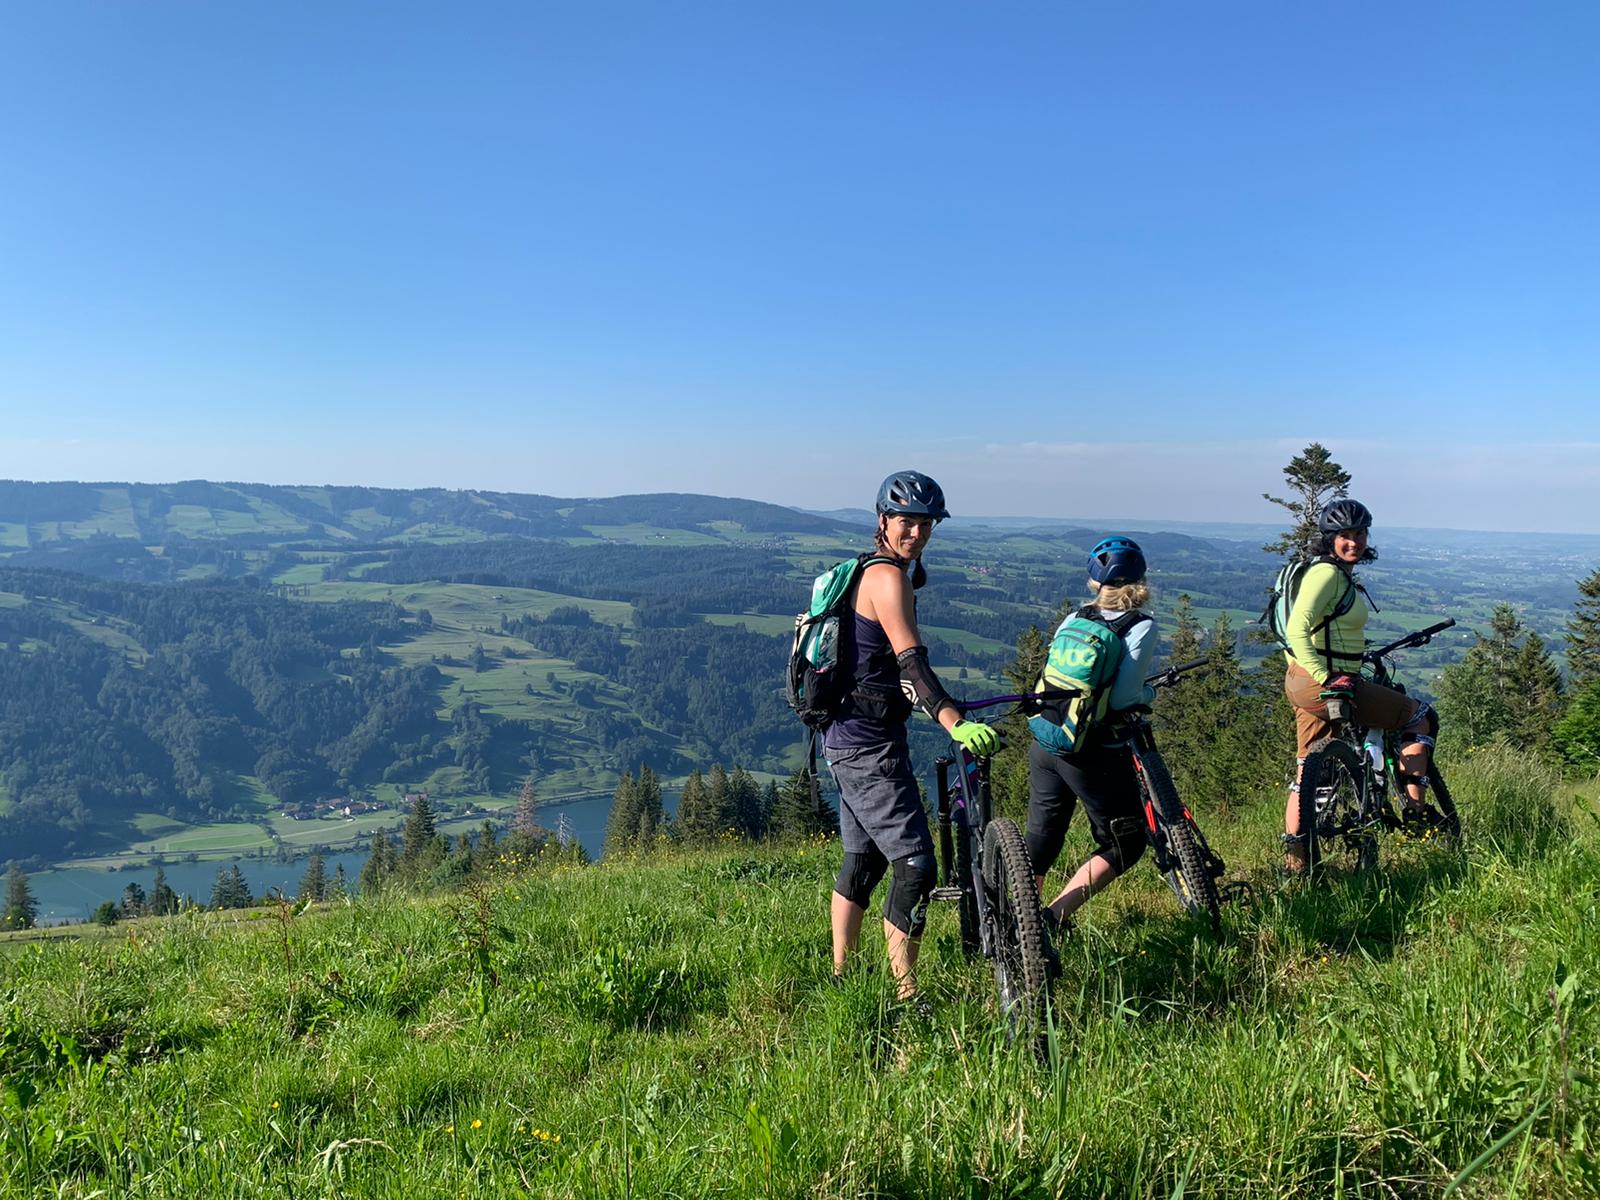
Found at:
<point>667,1027</point>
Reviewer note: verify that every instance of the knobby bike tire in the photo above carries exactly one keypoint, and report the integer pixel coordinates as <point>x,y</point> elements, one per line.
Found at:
<point>1020,969</point>
<point>1338,770</point>
<point>1191,880</point>
<point>1446,803</point>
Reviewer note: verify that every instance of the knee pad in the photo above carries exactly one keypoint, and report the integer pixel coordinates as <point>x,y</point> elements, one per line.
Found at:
<point>1127,842</point>
<point>907,906</point>
<point>858,875</point>
<point>1424,727</point>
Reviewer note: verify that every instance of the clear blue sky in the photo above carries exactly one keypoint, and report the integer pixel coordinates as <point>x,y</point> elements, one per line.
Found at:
<point>1070,258</point>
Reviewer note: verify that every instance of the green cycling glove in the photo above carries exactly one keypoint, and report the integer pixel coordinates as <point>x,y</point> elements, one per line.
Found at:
<point>976,737</point>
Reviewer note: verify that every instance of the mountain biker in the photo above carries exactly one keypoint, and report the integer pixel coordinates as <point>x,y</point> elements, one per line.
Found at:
<point>1325,656</point>
<point>1102,773</point>
<point>881,818</point>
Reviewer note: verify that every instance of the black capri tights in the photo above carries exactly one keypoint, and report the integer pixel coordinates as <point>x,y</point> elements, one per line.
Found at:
<point>1103,778</point>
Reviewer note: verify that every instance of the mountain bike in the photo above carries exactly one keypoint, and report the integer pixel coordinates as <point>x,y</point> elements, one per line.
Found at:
<point>1182,855</point>
<point>985,869</point>
<point>1351,778</point>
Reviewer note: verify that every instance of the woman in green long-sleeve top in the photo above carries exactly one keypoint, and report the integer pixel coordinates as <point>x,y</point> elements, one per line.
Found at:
<point>1326,632</point>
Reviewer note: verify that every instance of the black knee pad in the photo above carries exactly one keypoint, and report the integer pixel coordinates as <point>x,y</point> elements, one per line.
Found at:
<point>1430,725</point>
<point>859,874</point>
<point>1127,842</point>
<point>907,906</point>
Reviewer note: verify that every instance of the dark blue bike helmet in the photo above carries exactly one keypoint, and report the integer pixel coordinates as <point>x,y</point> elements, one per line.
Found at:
<point>1344,513</point>
<point>1116,560</point>
<point>912,493</point>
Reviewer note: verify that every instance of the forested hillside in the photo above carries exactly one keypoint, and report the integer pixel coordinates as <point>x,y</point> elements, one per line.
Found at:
<point>204,652</point>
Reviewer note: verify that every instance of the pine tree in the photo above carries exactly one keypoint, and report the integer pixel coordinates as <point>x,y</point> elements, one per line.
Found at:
<point>163,900</point>
<point>1534,699</point>
<point>694,824</point>
<point>419,830</point>
<point>651,815</point>
<point>622,825</point>
<point>1583,635</point>
<point>338,886</point>
<point>794,815</point>
<point>230,890</point>
<point>21,910</point>
<point>314,885</point>
<point>376,870</point>
<point>769,806</point>
<point>1314,479</point>
<point>526,819</point>
<point>1221,771</point>
<point>744,805</point>
<point>133,901</point>
<point>1174,707</point>
<point>1506,685</point>
<point>719,803</point>
<point>1577,734</point>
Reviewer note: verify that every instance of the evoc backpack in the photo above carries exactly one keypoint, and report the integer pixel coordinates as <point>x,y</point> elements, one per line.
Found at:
<point>1084,656</point>
<point>818,681</point>
<point>1285,590</point>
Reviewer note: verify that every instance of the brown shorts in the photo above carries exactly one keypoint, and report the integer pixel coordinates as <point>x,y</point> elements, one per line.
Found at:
<point>1376,707</point>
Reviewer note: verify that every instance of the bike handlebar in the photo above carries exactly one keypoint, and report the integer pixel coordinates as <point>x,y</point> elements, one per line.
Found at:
<point>1169,676</point>
<point>1420,638</point>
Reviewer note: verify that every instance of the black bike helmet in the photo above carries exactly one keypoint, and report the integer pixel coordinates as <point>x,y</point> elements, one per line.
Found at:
<point>912,493</point>
<point>1344,513</point>
<point>1116,560</point>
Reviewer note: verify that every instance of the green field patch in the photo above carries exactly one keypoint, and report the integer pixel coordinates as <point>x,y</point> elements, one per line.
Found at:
<point>301,573</point>
<point>467,605</point>
<point>192,520</point>
<point>234,837</point>
<point>333,830</point>
<point>754,622</point>
<point>14,534</point>
<point>652,535</point>
<point>269,518</point>
<point>438,533</point>
<point>11,600</point>
<point>156,825</point>
<point>368,519</point>
<point>967,641</point>
<point>111,637</point>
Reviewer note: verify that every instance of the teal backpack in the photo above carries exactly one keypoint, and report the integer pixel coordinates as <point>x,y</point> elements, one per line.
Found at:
<point>1084,656</point>
<point>1286,587</point>
<point>817,684</point>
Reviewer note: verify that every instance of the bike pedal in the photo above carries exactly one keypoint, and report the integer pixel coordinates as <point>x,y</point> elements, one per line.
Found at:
<point>945,893</point>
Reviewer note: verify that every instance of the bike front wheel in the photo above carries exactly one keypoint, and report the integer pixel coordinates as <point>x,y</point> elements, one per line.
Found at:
<point>1183,853</point>
<point>1333,805</point>
<point>1020,967</point>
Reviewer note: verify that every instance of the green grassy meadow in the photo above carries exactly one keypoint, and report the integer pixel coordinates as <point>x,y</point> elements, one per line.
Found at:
<point>665,1026</point>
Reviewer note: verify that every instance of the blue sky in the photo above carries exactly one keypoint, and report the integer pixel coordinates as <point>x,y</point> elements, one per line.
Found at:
<point>1070,258</point>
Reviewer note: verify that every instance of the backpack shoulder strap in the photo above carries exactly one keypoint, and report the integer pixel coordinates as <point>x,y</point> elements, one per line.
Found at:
<point>1126,622</point>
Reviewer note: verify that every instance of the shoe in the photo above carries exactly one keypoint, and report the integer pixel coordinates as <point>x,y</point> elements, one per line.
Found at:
<point>1422,819</point>
<point>915,1009</point>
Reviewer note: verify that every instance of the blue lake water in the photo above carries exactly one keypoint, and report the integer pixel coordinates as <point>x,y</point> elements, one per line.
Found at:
<point>72,894</point>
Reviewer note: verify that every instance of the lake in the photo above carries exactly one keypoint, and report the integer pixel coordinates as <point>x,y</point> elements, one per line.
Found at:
<point>73,893</point>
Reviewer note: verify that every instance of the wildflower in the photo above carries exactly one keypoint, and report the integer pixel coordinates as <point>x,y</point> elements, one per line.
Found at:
<point>274,1104</point>
<point>477,1123</point>
<point>449,1128</point>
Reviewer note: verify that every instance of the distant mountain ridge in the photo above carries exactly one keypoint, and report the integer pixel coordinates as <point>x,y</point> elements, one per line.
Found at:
<point>42,516</point>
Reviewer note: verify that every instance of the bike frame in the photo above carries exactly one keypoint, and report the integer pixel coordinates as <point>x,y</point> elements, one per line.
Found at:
<point>963,813</point>
<point>1377,783</point>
